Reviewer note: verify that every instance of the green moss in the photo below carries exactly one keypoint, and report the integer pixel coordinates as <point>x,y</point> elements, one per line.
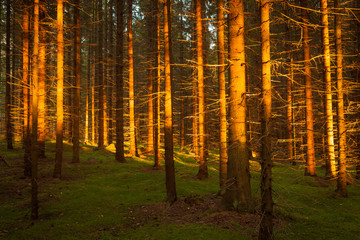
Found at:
<point>92,200</point>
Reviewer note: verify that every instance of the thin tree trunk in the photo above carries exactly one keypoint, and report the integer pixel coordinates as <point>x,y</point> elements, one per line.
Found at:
<point>131,82</point>
<point>341,180</point>
<point>150,125</point>
<point>76,117</point>
<point>203,171</point>
<point>59,90</point>
<point>157,88</point>
<point>266,225</point>
<point>34,127</point>
<point>87,97</point>
<point>289,98</point>
<point>310,146</point>
<point>8,117</point>
<point>119,155</point>
<point>26,87</point>
<point>93,133</point>
<point>169,151</point>
<point>330,159</point>
<point>111,73</point>
<point>100,75</point>
<point>238,189</point>
<point>105,72</point>
<point>42,72</point>
<point>357,4</point>
<point>222,96</point>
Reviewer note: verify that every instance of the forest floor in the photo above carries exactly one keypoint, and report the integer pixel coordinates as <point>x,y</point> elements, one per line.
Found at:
<point>99,198</point>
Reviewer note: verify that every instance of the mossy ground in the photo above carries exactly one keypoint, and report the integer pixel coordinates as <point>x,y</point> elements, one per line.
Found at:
<point>94,198</point>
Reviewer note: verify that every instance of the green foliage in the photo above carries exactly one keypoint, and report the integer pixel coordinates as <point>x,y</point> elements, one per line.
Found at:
<point>93,199</point>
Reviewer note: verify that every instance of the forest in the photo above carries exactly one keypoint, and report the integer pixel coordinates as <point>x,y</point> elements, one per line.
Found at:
<point>179,119</point>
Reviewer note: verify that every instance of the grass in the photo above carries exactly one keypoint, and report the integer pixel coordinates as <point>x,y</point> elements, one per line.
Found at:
<point>94,197</point>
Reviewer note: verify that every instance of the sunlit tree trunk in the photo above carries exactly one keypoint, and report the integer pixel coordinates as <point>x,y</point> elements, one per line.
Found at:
<point>341,180</point>
<point>87,98</point>
<point>157,88</point>
<point>150,72</point>
<point>238,189</point>
<point>169,151</point>
<point>330,159</point>
<point>76,116</point>
<point>111,73</point>
<point>222,95</point>
<point>100,75</point>
<point>8,118</point>
<point>105,71</point>
<point>42,72</point>
<point>26,86</point>
<point>203,171</point>
<point>195,125</point>
<point>266,225</point>
<point>310,146</point>
<point>93,102</point>
<point>34,117</point>
<point>59,89</point>
<point>131,82</point>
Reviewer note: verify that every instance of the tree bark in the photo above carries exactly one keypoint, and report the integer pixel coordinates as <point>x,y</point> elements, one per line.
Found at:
<point>330,158</point>
<point>34,117</point>
<point>131,82</point>
<point>203,171</point>
<point>310,146</point>
<point>100,75</point>
<point>157,88</point>
<point>150,72</point>
<point>341,180</point>
<point>169,151</point>
<point>8,117</point>
<point>119,155</point>
<point>238,189</point>
<point>222,96</point>
<point>77,69</point>
<point>266,225</point>
<point>42,73</point>
<point>26,87</point>
<point>59,90</point>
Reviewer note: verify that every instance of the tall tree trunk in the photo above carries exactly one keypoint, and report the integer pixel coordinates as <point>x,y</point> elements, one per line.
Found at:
<point>59,89</point>
<point>222,95</point>
<point>289,98</point>
<point>111,60</point>
<point>100,75</point>
<point>150,125</point>
<point>341,180</point>
<point>76,117</point>
<point>203,171</point>
<point>169,151</point>
<point>119,155</point>
<point>42,75</point>
<point>8,118</point>
<point>157,88</point>
<point>105,72</point>
<point>266,225</point>
<point>238,189</point>
<point>310,146</point>
<point>131,82</point>
<point>330,159</point>
<point>87,98</point>
<point>26,86</point>
<point>34,117</point>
